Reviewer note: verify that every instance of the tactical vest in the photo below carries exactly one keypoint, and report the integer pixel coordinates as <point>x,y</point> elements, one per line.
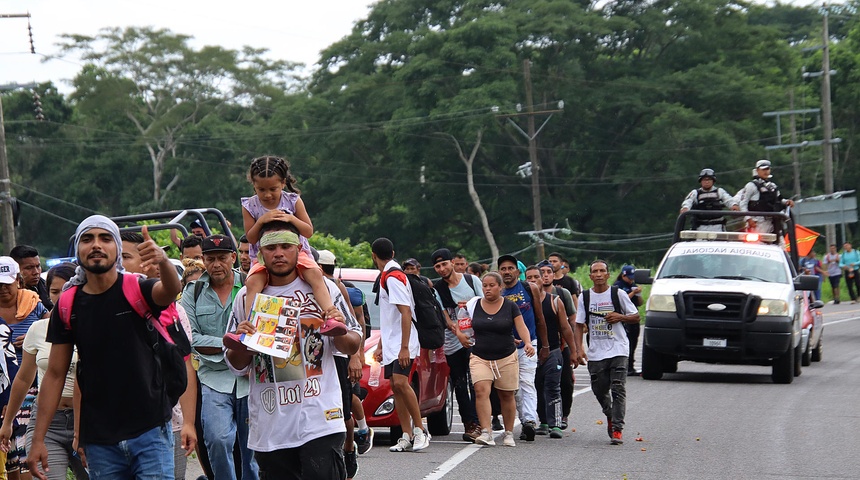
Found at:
<point>708,201</point>
<point>768,197</point>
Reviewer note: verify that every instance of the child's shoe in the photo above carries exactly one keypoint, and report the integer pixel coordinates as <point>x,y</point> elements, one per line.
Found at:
<point>332,328</point>
<point>233,341</point>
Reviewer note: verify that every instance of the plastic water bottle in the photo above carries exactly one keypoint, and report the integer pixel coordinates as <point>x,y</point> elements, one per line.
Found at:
<point>464,322</point>
<point>375,371</point>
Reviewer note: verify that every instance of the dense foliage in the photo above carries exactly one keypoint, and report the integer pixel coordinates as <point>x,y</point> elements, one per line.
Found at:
<point>652,91</point>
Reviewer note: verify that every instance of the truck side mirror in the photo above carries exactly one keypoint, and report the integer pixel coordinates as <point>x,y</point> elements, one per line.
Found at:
<point>642,276</point>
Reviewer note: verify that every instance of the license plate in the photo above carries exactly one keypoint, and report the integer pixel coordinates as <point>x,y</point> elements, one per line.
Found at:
<point>714,342</point>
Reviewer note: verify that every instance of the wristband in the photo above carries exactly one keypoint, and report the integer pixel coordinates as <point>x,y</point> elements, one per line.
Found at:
<point>544,347</point>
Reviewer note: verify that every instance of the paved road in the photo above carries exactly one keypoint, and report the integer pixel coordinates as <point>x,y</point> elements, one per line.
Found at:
<point>704,422</point>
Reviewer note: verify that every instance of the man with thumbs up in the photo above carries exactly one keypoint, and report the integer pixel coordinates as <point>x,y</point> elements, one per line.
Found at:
<point>125,429</point>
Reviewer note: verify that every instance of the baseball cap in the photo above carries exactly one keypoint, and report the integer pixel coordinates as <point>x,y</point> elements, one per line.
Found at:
<point>326,258</point>
<point>762,164</point>
<point>441,255</point>
<point>8,270</point>
<point>411,261</point>
<point>507,258</point>
<point>218,243</point>
<point>627,270</point>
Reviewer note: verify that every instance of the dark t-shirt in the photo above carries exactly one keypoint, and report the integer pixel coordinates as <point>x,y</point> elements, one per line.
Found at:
<point>121,390</point>
<point>569,283</point>
<point>492,333</point>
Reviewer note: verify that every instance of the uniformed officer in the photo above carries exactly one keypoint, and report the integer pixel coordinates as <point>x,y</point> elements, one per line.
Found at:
<point>708,197</point>
<point>762,195</point>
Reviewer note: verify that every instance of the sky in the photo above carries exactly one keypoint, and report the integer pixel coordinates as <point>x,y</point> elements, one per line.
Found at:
<point>291,30</point>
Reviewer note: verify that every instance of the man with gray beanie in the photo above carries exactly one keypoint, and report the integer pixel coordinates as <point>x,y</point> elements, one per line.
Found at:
<point>125,429</point>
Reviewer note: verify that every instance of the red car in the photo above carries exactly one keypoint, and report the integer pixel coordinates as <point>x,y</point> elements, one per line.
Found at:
<point>429,376</point>
<point>812,330</point>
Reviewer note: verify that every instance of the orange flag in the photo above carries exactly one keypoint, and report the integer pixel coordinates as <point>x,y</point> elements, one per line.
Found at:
<point>805,240</point>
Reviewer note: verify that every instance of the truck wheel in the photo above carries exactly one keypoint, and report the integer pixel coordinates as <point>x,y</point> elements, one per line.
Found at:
<point>783,367</point>
<point>819,349</point>
<point>670,365</point>
<point>798,360</point>
<point>806,358</point>
<point>652,364</point>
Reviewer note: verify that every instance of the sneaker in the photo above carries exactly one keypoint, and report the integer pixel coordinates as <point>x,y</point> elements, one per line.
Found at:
<point>403,444</point>
<point>351,464</point>
<point>616,438</point>
<point>497,425</point>
<point>555,432</point>
<point>420,439</point>
<point>508,440</point>
<point>233,341</point>
<point>332,328</point>
<point>609,427</point>
<point>485,438</point>
<point>529,431</point>
<point>563,423</point>
<point>543,429</point>
<point>364,440</point>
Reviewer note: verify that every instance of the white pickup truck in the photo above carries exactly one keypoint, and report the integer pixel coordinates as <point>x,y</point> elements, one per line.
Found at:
<point>725,297</point>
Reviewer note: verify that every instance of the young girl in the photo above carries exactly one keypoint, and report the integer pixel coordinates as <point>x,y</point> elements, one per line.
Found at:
<point>277,198</point>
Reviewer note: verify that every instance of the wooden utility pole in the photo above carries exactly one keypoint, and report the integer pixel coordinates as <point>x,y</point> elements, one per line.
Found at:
<point>533,157</point>
<point>830,230</point>
<point>794,160</point>
<point>6,221</point>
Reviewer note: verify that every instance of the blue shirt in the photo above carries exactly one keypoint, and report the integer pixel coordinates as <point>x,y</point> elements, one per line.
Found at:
<point>518,295</point>
<point>209,318</point>
<point>848,258</point>
<point>22,327</point>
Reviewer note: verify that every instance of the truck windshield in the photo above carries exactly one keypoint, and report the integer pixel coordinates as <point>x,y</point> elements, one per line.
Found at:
<point>730,267</point>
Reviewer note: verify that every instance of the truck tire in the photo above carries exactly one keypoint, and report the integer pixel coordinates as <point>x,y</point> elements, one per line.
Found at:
<point>806,358</point>
<point>783,367</point>
<point>670,364</point>
<point>818,351</point>
<point>652,364</point>
<point>798,360</point>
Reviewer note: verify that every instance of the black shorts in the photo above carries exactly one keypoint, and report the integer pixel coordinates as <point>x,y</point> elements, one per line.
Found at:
<point>318,459</point>
<point>394,367</point>
<point>834,281</point>
<point>342,364</point>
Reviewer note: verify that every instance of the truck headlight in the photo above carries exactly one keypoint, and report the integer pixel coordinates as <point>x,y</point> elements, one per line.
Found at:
<point>661,303</point>
<point>773,308</point>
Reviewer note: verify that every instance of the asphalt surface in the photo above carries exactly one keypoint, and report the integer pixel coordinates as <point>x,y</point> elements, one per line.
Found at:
<point>704,422</point>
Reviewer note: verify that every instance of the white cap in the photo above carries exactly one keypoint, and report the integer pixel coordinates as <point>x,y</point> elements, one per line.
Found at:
<point>8,270</point>
<point>326,258</point>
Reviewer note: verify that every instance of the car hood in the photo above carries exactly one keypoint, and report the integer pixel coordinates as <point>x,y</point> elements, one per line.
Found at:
<point>765,290</point>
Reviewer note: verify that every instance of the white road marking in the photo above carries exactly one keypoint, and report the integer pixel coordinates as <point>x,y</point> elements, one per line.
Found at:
<point>841,321</point>
<point>470,449</point>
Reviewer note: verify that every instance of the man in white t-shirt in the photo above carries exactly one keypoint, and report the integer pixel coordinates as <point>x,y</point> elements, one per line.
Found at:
<point>601,311</point>
<point>295,408</point>
<point>398,344</point>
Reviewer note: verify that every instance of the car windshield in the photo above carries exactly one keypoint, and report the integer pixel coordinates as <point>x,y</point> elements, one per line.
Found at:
<point>369,298</point>
<point>728,267</point>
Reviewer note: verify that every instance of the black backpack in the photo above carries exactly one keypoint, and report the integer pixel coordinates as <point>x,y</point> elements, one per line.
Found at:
<point>429,320</point>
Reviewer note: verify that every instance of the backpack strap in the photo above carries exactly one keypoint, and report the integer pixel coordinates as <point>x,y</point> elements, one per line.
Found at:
<point>198,289</point>
<point>616,302</point>
<point>470,279</point>
<point>64,304</point>
<point>528,288</point>
<point>444,291</point>
<point>134,296</point>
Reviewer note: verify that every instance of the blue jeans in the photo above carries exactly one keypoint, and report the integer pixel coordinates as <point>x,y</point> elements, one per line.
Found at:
<point>149,456</point>
<point>223,417</point>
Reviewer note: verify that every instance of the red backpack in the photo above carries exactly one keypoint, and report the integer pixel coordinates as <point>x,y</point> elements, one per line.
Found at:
<point>170,347</point>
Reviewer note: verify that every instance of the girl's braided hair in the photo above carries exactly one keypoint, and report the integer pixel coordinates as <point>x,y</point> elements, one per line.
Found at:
<point>271,166</point>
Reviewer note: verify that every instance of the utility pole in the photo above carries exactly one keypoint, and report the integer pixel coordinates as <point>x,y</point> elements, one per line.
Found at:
<point>830,230</point>
<point>533,157</point>
<point>794,160</point>
<point>7,223</point>
<point>533,166</point>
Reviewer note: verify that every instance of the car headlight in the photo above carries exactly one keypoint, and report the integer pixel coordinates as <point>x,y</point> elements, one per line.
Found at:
<point>661,303</point>
<point>385,408</point>
<point>773,308</point>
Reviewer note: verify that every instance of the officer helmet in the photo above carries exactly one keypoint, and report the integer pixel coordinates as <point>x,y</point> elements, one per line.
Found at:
<point>707,173</point>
